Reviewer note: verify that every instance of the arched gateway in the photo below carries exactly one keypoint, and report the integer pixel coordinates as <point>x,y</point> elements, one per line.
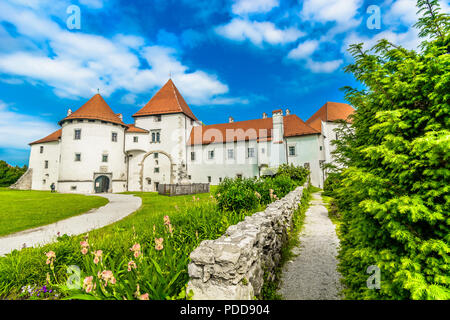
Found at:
<point>141,176</point>
<point>102,184</point>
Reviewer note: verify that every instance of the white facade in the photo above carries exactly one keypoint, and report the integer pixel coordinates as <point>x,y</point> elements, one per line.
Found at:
<point>92,155</point>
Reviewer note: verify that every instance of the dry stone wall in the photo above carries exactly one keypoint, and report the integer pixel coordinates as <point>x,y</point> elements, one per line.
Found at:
<point>233,266</point>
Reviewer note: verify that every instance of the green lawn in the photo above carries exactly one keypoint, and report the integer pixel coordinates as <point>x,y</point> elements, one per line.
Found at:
<point>21,210</point>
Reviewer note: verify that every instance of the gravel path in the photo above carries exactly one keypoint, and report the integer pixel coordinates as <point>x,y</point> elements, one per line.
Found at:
<point>312,275</point>
<point>119,206</point>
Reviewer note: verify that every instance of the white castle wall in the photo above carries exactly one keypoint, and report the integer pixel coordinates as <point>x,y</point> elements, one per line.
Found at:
<point>42,178</point>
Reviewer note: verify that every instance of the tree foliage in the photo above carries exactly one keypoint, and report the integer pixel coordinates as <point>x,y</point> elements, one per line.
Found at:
<point>9,174</point>
<point>394,193</point>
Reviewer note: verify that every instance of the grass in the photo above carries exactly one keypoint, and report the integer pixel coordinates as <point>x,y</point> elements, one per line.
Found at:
<point>333,213</point>
<point>27,266</point>
<point>270,288</point>
<point>21,210</point>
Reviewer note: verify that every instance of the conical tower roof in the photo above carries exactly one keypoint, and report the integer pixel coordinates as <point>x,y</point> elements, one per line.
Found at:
<point>96,108</point>
<point>167,100</point>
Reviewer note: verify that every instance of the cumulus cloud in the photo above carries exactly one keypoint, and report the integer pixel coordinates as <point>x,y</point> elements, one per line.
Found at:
<point>304,49</point>
<point>241,7</point>
<point>75,64</point>
<point>323,67</point>
<point>343,12</point>
<point>258,33</point>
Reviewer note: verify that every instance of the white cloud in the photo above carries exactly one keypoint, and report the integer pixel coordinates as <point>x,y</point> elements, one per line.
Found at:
<point>258,32</point>
<point>304,49</point>
<point>80,63</point>
<point>23,128</point>
<point>323,67</point>
<point>405,11</point>
<point>241,7</point>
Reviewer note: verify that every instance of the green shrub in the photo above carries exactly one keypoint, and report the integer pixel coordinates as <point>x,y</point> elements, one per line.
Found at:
<point>331,183</point>
<point>394,196</point>
<point>237,195</point>
<point>296,173</point>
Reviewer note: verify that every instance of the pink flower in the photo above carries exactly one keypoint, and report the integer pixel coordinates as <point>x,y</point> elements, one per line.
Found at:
<point>84,244</point>
<point>143,296</point>
<point>159,244</point>
<point>131,265</point>
<point>84,251</point>
<point>136,248</point>
<point>108,276</point>
<point>166,220</point>
<point>98,256</point>
<point>51,256</point>
<point>88,284</point>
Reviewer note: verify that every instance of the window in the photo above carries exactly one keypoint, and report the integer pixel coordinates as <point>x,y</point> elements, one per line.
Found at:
<point>114,137</point>
<point>155,155</point>
<point>211,154</point>
<point>192,122</point>
<point>292,151</point>
<point>189,177</point>
<point>41,149</point>
<point>220,179</point>
<point>156,170</point>
<point>209,179</point>
<point>320,148</point>
<point>77,156</point>
<point>263,151</point>
<point>105,158</point>
<point>156,136</point>
<point>158,118</point>
<point>46,164</point>
<point>77,135</point>
<point>337,136</point>
<point>135,139</point>
<point>192,156</point>
<point>44,181</point>
<point>239,176</point>
<point>230,153</point>
<point>73,187</point>
<point>250,152</point>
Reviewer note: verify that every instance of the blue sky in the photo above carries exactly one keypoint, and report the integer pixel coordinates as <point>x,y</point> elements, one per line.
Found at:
<point>228,58</point>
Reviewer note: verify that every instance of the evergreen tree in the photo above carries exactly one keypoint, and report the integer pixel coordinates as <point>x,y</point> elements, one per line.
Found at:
<point>394,194</point>
<point>9,174</point>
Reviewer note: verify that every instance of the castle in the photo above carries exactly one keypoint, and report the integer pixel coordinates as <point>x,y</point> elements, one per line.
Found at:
<point>95,151</point>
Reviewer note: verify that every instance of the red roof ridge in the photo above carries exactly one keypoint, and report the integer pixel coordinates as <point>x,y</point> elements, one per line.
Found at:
<point>54,136</point>
<point>95,108</point>
<point>166,100</point>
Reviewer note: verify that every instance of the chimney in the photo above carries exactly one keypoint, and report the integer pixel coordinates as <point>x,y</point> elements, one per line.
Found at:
<point>69,112</point>
<point>278,148</point>
<point>264,115</point>
<point>120,116</point>
<point>230,119</point>
<point>288,112</point>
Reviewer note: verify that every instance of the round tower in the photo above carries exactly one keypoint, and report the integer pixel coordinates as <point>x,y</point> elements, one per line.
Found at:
<point>92,150</point>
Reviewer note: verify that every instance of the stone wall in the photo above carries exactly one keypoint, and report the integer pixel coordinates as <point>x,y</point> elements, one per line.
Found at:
<point>24,182</point>
<point>232,267</point>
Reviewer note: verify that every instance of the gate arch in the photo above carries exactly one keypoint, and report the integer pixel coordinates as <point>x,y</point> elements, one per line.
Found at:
<point>141,176</point>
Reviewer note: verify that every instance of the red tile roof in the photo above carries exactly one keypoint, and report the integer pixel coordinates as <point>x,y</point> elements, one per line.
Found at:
<point>167,100</point>
<point>55,136</point>
<point>330,111</point>
<point>96,108</point>
<point>257,129</point>
<point>133,128</point>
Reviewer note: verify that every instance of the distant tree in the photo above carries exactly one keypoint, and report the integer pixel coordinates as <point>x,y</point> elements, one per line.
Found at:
<point>10,174</point>
<point>394,195</point>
